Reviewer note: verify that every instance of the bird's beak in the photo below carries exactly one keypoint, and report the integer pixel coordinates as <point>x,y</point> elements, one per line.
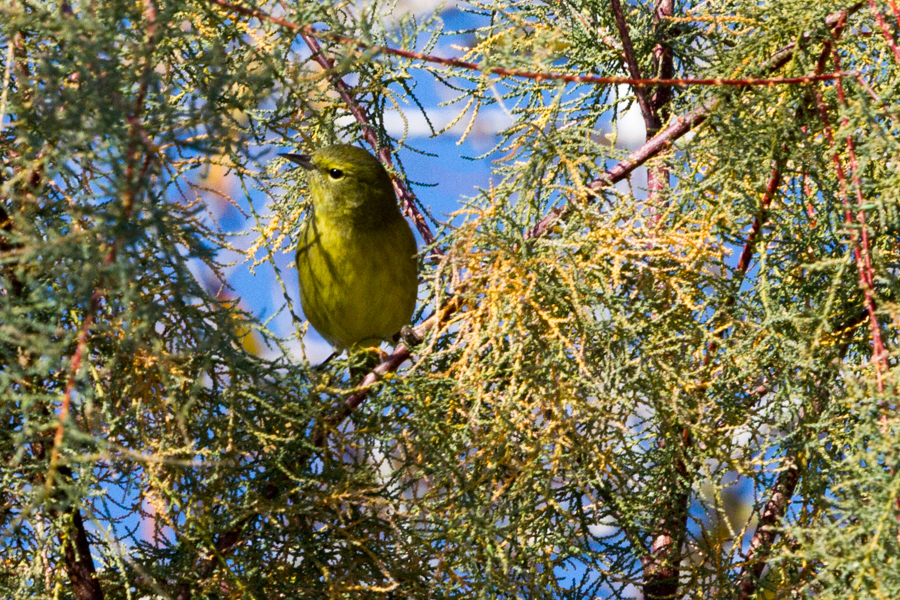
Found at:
<point>304,160</point>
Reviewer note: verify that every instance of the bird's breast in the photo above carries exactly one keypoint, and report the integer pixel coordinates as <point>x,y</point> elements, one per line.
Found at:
<point>357,283</point>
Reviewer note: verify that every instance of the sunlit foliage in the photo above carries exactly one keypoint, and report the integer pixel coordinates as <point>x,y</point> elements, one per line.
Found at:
<point>696,381</point>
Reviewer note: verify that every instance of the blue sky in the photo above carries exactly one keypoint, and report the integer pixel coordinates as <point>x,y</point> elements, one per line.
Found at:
<point>447,171</point>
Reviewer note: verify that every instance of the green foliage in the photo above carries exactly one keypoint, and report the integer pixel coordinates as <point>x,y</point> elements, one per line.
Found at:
<point>621,379</point>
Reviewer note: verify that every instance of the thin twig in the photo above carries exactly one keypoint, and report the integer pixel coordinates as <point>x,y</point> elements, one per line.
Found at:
<point>407,200</point>
<point>78,553</point>
<point>375,49</point>
<point>859,240</point>
<point>775,508</point>
<point>7,72</point>
<point>630,61</point>
<point>879,18</point>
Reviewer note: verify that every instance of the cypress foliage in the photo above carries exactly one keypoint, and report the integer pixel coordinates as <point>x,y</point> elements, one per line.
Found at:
<point>681,385</point>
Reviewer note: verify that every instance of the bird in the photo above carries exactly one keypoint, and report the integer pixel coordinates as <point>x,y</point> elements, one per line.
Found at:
<point>357,257</point>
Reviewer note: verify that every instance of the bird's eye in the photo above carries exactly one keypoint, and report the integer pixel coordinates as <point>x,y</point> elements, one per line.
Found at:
<point>335,173</point>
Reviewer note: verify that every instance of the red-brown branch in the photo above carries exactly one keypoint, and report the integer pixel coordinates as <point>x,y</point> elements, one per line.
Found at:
<point>867,272</point>
<point>879,18</point>
<point>676,129</point>
<point>534,75</point>
<point>662,566</point>
<point>664,63</point>
<point>775,508</point>
<point>77,551</point>
<point>79,564</point>
<point>407,200</point>
<point>766,531</point>
<point>758,221</point>
<point>896,11</point>
<point>631,61</point>
<point>858,240</point>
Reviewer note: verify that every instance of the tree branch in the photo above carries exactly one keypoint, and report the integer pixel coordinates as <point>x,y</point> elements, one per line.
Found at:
<point>766,533</point>
<point>79,564</point>
<point>775,508</point>
<point>859,240</point>
<point>76,549</point>
<point>658,175</point>
<point>407,200</point>
<point>631,62</point>
<point>879,18</point>
<point>375,49</point>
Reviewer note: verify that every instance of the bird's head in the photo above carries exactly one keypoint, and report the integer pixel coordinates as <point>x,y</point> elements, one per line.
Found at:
<point>347,182</point>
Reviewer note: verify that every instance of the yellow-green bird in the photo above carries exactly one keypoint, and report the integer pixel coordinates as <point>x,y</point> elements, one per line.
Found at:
<point>356,259</point>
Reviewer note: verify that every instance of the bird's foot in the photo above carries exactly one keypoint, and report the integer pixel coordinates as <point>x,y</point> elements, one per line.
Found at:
<point>409,337</point>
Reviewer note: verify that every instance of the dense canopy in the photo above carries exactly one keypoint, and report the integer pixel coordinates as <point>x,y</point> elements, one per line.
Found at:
<point>664,368</point>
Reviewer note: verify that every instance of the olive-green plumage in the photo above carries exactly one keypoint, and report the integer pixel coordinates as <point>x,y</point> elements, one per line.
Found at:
<point>356,260</point>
